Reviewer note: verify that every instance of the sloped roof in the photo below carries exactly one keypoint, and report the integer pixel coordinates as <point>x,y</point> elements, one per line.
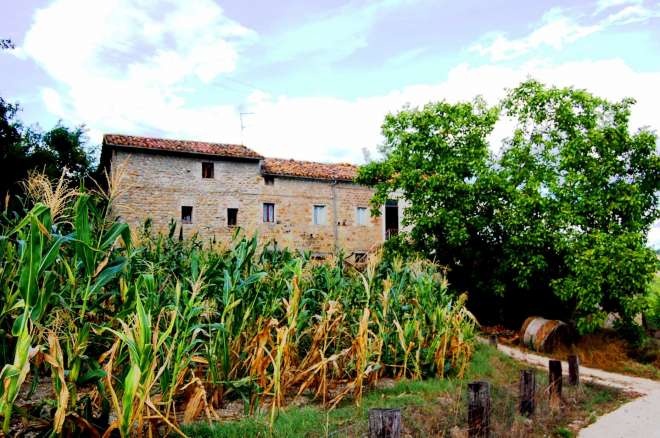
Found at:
<point>309,169</point>
<point>181,146</point>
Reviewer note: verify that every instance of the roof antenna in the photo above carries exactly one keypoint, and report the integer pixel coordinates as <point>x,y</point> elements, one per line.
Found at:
<point>243,126</point>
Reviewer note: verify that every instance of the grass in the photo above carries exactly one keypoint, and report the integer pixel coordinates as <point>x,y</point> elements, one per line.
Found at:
<point>433,407</point>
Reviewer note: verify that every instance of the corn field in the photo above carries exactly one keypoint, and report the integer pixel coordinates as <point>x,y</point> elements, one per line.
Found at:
<point>107,330</point>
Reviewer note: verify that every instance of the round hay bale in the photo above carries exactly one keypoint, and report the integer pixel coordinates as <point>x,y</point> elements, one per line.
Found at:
<point>542,334</point>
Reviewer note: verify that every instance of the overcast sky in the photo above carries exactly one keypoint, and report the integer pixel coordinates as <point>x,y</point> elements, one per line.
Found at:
<point>314,78</point>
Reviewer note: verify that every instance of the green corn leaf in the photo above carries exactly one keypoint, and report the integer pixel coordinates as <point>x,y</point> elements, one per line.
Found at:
<point>83,242</point>
<point>117,229</point>
<point>108,273</point>
<point>131,386</point>
<point>36,211</point>
<point>52,253</point>
<point>92,376</point>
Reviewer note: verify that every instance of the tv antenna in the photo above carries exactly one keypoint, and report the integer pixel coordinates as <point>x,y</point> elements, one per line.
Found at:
<point>243,125</point>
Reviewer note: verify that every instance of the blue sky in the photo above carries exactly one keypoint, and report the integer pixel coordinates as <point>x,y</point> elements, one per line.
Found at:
<point>314,78</point>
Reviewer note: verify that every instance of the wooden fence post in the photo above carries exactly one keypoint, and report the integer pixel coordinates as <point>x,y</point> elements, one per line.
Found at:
<point>492,339</point>
<point>384,423</point>
<point>573,370</point>
<point>479,409</point>
<point>554,380</point>
<point>527,392</point>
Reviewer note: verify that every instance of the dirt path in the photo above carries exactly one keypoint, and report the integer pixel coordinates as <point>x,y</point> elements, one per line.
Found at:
<point>637,419</point>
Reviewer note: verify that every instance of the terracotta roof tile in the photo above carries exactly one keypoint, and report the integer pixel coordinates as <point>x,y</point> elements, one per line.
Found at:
<point>309,169</point>
<point>186,146</point>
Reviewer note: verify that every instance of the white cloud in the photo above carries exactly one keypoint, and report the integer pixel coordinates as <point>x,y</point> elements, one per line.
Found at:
<point>328,128</point>
<point>332,36</point>
<point>122,65</point>
<point>52,100</point>
<point>607,4</point>
<point>631,14</point>
<point>557,29</point>
<point>107,85</point>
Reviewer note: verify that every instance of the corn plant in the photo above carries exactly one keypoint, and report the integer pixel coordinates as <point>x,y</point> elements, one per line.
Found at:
<point>151,330</point>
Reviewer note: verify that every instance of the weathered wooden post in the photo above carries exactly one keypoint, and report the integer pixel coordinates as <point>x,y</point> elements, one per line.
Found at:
<point>384,423</point>
<point>573,370</point>
<point>527,392</point>
<point>492,339</point>
<point>479,409</point>
<point>554,380</point>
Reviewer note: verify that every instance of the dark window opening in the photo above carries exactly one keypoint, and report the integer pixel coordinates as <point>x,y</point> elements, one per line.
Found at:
<point>186,214</point>
<point>232,217</point>
<point>318,256</point>
<point>269,180</point>
<point>360,257</point>
<point>207,170</point>
<point>391,218</point>
<point>269,212</point>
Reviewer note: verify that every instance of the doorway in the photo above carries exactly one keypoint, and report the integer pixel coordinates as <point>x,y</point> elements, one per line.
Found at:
<point>391,218</point>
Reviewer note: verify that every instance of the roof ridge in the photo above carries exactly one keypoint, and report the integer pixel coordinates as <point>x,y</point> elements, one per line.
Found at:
<point>341,163</point>
<point>309,169</point>
<point>182,140</point>
<point>180,146</point>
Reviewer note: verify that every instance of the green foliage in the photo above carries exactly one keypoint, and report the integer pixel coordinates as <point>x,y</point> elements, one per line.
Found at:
<point>556,224</point>
<point>161,327</point>
<point>652,311</point>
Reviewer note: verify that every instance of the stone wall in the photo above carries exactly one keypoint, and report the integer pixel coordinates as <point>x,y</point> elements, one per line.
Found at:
<point>158,185</point>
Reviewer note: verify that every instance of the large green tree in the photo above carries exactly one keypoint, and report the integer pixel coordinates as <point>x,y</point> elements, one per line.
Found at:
<point>587,195</point>
<point>555,225</point>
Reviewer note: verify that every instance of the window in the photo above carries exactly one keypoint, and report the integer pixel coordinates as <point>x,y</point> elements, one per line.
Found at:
<point>362,216</point>
<point>319,215</point>
<point>269,180</point>
<point>360,257</point>
<point>232,217</point>
<point>269,212</point>
<point>207,170</point>
<point>186,214</point>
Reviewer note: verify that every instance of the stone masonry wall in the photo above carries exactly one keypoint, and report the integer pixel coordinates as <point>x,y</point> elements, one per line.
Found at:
<point>157,186</point>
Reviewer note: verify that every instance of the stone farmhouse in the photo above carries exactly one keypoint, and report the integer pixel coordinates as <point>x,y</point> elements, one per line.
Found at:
<point>212,188</point>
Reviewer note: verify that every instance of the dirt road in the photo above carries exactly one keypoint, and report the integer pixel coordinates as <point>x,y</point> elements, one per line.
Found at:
<point>638,419</point>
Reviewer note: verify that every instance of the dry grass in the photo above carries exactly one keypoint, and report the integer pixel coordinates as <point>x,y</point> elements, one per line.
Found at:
<point>607,351</point>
